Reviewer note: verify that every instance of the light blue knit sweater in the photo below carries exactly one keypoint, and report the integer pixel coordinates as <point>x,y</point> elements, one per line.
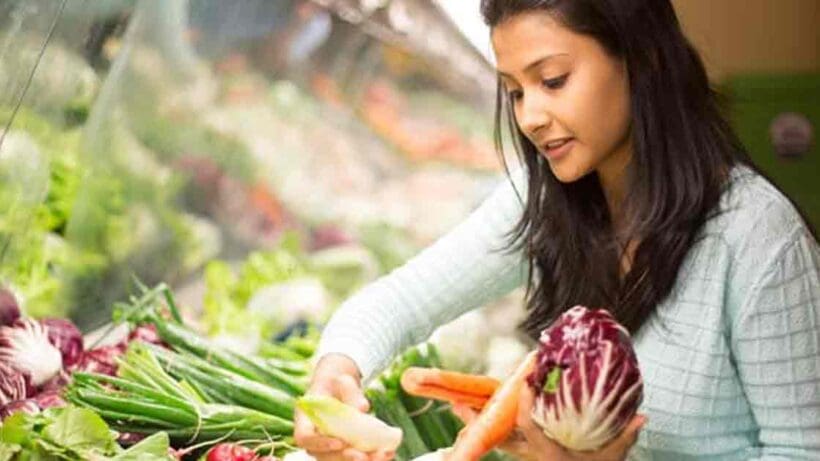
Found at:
<point>731,359</point>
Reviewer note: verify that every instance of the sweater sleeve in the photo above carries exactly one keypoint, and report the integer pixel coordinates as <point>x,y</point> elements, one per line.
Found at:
<point>776,343</point>
<point>464,269</point>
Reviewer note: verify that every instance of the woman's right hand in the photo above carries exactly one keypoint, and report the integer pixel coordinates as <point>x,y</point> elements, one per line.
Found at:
<point>335,376</point>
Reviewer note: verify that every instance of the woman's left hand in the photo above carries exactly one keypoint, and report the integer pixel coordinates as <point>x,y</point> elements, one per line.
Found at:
<point>531,444</point>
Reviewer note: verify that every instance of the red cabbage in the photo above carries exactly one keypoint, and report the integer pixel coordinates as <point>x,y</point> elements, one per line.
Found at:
<point>586,381</point>
<point>65,336</point>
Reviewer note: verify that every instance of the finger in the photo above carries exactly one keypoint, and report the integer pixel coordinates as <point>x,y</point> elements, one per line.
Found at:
<point>464,413</point>
<point>624,441</point>
<point>525,404</point>
<point>351,454</point>
<point>383,455</point>
<point>630,434</point>
<point>333,456</point>
<point>351,393</point>
<point>305,436</point>
<point>514,448</point>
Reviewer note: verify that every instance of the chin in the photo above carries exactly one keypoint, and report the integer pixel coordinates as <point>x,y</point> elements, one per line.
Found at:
<point>566,172</point>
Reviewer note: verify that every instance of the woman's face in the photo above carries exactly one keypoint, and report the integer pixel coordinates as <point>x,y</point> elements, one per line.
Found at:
<point>571,98</point>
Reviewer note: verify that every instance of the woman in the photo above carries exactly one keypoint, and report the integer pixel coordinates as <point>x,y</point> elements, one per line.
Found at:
<point>636,196</point>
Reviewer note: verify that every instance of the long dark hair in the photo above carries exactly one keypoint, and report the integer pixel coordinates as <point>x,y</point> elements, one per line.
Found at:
<point>684,149</point>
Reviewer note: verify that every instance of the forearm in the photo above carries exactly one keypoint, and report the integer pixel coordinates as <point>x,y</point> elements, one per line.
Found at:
<point>463,270</point>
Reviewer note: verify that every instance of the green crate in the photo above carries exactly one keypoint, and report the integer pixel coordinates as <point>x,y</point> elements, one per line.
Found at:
<point>756,100</point>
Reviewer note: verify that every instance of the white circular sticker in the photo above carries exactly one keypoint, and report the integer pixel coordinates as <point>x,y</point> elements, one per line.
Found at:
<point>791,134</point>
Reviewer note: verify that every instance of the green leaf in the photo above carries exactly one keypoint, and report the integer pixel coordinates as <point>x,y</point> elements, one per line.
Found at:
<point>153,448</point>
<point>553,378</point>
<point>16,429</point>
<point>80,430</point>
<point>8,450</point>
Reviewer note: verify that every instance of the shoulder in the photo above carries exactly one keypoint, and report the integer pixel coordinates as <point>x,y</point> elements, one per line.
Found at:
<point>764,236</point>
<point>754,218</point>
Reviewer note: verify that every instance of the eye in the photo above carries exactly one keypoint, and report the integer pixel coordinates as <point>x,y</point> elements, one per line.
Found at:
<point>555,83</point>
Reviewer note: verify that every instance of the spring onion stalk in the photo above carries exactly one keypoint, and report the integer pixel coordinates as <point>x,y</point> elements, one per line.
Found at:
<point>146,399</point>
<point>146,310</point>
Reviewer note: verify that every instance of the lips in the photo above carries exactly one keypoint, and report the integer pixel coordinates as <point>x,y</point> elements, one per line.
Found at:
<point>556,143</point>
<point>557,148</point>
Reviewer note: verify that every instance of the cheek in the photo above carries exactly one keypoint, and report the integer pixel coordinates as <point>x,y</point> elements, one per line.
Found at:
<point>601,117</point>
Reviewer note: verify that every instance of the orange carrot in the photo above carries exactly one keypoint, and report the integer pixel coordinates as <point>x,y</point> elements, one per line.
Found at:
<point>497,421</point>
<point>454,398</point>
<point>457,388</point>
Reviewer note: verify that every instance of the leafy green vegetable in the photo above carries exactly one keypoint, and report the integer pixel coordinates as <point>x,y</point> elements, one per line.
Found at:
<point>81,430</point>
<point>72,434</point>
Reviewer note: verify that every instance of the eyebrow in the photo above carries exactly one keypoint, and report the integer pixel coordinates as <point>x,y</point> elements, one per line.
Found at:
<point>535,63</point>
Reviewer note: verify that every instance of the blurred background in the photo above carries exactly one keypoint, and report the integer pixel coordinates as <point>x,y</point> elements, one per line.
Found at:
<point>267,158</point>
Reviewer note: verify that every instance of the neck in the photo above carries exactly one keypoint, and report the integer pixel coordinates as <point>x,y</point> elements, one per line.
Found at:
<point>613,177</point>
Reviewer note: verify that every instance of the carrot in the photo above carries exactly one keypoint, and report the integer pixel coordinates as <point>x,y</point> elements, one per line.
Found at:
<point>496,421</point>
<point>456,388</point>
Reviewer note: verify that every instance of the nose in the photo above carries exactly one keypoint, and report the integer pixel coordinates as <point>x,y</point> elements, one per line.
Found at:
<point>533,114</point>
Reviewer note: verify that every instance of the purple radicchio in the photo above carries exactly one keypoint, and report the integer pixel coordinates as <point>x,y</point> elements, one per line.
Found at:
<point>65,336</point>
<point>14,384</point>
<point>586,380</point>
<point>101,360</point>
<point>49,399</point>
<point>25,347</point>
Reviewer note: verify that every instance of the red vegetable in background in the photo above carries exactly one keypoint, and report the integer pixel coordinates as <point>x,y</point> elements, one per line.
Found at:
<point>65,336</point>
<point>231,452</point>
<point>49,399</point>
<point>101,360</point>
<point>146,334</point>
<point>586,381</point>
<point>9,309</point>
